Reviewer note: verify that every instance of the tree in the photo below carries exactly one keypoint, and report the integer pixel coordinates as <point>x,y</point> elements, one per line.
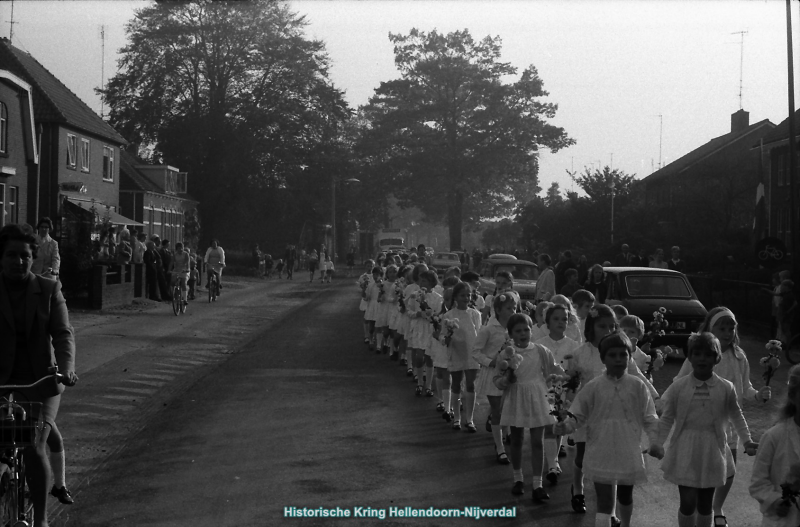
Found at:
<point>553,196</point>
<point>234,93</point>
<point>454,139</point>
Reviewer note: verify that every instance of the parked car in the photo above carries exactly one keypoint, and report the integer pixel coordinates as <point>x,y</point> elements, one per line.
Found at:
<point>443,261</point>
<point>643,290</point>
<point>525,274</point>
<point>502,256</point>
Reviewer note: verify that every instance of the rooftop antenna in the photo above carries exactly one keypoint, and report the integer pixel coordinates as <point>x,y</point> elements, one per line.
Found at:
<point>741,63</point>
<point>102,66</point>
<point>11,33</point>
<point>660,138</point>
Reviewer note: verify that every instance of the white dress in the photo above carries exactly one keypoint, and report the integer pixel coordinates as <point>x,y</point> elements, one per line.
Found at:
<point>364,303</point>
<point>459,352</point>
<point>395,317</point>
<point>525,403</point>
<point>490,340</point>
<point>372,302</point>
<point>405,321</point>
<point>539,332</point>
<point>421,328</point>
<point>389,303</point>
<point>614,412</point>
<point>778,450</point>
<point>559,348</point>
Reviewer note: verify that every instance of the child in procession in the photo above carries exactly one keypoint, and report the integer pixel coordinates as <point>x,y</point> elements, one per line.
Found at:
<point>583,301</point>
<point>476,300</point>
<point>613,408</point>
<point>697,409</point>
<point>503,282</point>
<point>460,343</point>
<point>395,316</point>
<point>573,326</point>
<point>440,355</point>
<point>412,278</point>
<point>363,282</point>
<point>490,340</point>
<point>733,367</point>
<point>371,314</point>
<point>778,461</point>
<point>540,328</point>
<point>422,306</point>
<point>525,403</point>
<point>386,305</point>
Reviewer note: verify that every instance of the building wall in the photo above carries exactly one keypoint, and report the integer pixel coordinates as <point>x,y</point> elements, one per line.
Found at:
<point>16,158</point>
<point>779,198</point>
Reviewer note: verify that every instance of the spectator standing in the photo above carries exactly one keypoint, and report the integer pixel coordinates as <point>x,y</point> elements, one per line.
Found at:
<point>676,264</point>
<point>256,261</point>
<point>152,262</point>
<point>572,284</point>
<point>658,262</point>
<point>303,262</point>
<point>546,284</point>
<point>351,260</point>
<point>290,257</point>
<point>596,283</point>
<point>166,262</point>
<point>624,258</point>
<point>313,261</point>
<point>477,257</point>
<point>640,261</point>
<point>139,248</point>
<point>583,269</point>
<point>124,250</point>
<point>112,243</point>
<point>565,262</point>
<point>48,261</point>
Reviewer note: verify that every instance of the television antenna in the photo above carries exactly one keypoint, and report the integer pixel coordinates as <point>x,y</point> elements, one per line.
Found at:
<point>102,66</point>
<point>11,22</point>
<point>741,62</point>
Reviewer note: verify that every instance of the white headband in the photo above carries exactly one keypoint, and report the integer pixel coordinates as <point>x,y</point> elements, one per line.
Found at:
<point>719,315</point>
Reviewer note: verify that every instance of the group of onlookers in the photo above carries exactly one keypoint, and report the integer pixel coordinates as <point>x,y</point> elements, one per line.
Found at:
<point>293,260</point>
<point>628,259</point>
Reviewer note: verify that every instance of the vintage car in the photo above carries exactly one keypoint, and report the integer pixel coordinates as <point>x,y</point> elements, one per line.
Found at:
<point>525,274</point>
<point>441,262</point>
<point>643,290</point>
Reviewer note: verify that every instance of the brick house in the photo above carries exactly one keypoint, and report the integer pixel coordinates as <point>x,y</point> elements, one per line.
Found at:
<point>775,146</point>
<point>19,156</point>
<point>155,196</point>
<point>709,193</point>
<point>79,165</point>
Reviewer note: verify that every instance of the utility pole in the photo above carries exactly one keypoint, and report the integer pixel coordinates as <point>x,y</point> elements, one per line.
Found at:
<point>102,66</point>
<point>792,145</point>
<point>741,63</point>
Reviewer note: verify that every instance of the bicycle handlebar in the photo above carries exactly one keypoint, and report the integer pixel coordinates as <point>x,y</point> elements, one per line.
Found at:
<point>57,377</point>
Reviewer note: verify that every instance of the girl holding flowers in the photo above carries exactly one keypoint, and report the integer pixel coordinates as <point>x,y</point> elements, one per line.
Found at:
<point>488,343</point>
<point>540,328</point>
<point>733,367</point>
<point>438,351</point>
<point>503,282</point>
<point>363,283</point>
<point>525,403</point>
<point>412,286</point>
<point>374,297</point>
<point>697,409</point>
<point>775,481</point>
<point>459,335</point>
<point>613,408</point>
<point>422,306</point>
<point>573,324</point>
<point>387,306</point>
<point>396,315</point>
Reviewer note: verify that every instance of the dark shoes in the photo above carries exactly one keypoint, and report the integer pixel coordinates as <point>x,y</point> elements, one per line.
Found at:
<point>562,452</point>
<point>471,427</point>
<point>540,494</point>
<point>62,494</point>
<point>578,502</point>
<point>518,489</point>
<point>552,476</point>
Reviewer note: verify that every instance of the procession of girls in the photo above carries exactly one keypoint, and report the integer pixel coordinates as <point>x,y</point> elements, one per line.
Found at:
<point>458,346</point>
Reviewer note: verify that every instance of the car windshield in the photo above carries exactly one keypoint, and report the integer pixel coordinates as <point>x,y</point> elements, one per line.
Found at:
<point>518,271</point>
<point>391,241</point>
<point>657,285</point>
<point>446,256</point>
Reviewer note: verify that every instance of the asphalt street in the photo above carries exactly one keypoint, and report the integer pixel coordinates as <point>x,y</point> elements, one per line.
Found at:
<point>269,400</point>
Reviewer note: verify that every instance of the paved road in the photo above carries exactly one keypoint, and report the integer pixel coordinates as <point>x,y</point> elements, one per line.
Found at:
<point>302,415</point>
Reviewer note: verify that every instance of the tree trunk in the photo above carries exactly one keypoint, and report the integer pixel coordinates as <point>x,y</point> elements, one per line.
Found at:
<point>455,215</point>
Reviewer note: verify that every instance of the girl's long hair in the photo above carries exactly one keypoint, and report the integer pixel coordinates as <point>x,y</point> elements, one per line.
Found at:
<point>789,409</point>
<point>704,326</point>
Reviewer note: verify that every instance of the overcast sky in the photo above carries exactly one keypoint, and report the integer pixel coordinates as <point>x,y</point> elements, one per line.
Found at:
<point>612,66</point>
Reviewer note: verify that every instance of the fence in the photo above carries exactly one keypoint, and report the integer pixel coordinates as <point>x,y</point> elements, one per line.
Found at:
<point>748,300</point>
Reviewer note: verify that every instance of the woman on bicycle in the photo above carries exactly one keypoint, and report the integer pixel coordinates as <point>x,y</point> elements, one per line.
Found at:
<point>180,269</point>
<point>215,261</point>
<point>36,335</point>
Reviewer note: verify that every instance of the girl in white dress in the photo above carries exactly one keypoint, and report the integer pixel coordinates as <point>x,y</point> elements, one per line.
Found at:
<point>488,344</point>
<point>614,408</point>
<point>778,455</point>
<point>540,328</point>
<point>697,408</point>
<point>396,317</point>
<point>588,364</point>
<point>583,301</point>
<point>560,346</point>
<point>371,314</point>
<point>503,282</point>
<point>366,278</point>
<point>386,306</point>
<point>438,351</point>
<point>735,368</point>
<point>573,325</point>
<point>525,403</point>
<point>422,328</point>
<point>411,279</point>
<point>460,363</point>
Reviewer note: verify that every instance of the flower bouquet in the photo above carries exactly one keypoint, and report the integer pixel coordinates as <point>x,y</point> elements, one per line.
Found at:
<point>557,392</point>
<point>398,292</point>
<point>790,490</point>
<point>658,327</point>
<point>363,283</point>
<point>381,291</point>
<point>507,361</point>
<point>528,308</point>
<point>771,362</point>
<point>451,325</point>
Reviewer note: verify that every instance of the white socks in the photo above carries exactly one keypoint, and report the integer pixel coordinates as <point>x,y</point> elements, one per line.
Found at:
<point>518,475</point>
<point>456,406</point>
<point>378,339</point>
<point>551,452</point>
<point>577,480</point>
<point>537,482</point>
<point>446,399</point>
<point>420,374</point>
<point>704,520</point>
<point>57,463</point>
<point>429,373</point>
<point>497,435</point>
<point>469,406</point>
<point>685,521</point>
<point>602,520</point>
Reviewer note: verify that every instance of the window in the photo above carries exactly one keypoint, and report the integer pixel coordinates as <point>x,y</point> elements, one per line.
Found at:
<point>13,210</point>
<point>2,204</point>
<point>657,286</point>
<point>3,128</point>
<point>72,146</point>
<point>151,224</point>
<point>108,163</point>
<point>163,224</point>
<point>85,155</point>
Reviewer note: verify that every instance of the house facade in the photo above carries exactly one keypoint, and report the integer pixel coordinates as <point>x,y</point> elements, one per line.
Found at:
<point>156,196</point>
<point>19,156</point>
<point>79,152</point>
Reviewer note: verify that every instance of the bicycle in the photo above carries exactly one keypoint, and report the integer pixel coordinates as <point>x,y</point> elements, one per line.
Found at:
<point>178,305</point>
<point>18,431</point>
<point>770,252</point>
<point>213,287</point>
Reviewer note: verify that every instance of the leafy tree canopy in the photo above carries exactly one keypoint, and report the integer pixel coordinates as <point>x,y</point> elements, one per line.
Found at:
<point>451,136</point>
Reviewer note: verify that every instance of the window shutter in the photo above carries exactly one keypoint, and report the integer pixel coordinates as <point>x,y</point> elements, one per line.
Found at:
<point>182,182</point>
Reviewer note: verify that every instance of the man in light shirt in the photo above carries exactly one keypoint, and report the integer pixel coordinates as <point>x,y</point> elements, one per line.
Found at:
<point>48,261</point>
<point>546,284</point>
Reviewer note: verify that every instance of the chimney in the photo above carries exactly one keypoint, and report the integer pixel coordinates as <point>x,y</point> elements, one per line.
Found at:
<point>740,121</point>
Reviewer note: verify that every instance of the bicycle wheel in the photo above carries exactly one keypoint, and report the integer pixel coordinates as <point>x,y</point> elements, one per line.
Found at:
<point>210,286</point>
<point>24,502</point>
<point>176,301</point>
<point>8,497</point>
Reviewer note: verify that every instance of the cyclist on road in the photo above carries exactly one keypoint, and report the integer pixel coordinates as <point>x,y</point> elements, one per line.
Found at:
<point>180,269</point>
<point>215,261</point>
<point>36,340</point>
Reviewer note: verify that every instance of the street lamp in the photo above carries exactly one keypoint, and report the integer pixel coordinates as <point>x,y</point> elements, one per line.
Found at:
<point>611,187</point>
<point>333,213</point>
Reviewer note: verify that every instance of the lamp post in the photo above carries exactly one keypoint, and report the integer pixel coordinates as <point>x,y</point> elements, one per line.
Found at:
<point>611,187</point>
<point>333,214</point>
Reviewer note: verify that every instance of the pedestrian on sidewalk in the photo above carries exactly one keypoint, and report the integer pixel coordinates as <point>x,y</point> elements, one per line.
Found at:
<point>48,342</point>
<point>313,260</point>
<point>152,260</point>
<point>48,260</point>
<point>291,256</point>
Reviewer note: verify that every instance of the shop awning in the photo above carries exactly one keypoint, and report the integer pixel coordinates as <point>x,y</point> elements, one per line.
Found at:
<point>114,217</point>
